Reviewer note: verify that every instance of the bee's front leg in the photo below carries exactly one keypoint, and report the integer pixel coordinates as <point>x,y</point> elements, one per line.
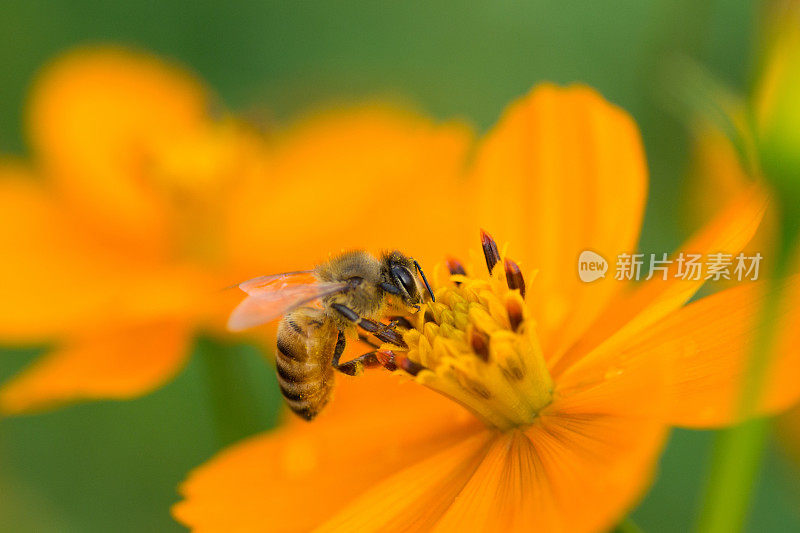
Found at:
<point>366,340</point>
<point>381,331</point>
<point>396,321</point>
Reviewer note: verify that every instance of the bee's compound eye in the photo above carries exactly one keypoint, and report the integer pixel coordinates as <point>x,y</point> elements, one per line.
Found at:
<point>406,279</point>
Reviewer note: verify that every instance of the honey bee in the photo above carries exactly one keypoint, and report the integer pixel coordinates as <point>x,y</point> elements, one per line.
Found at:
<point>319,307</point>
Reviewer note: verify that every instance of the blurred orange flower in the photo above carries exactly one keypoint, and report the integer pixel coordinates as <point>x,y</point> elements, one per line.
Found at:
<point>551,409</point>
<point>720,172</point>
<point>138,205</point>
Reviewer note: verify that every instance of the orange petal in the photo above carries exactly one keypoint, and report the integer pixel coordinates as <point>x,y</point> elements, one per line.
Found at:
<point>582,465</point>
<point>631,313</point>
<point>391,458</point>
<point>571,472</point>
<point>416,497</point>
<point>96,117</point>
<point>48,262</point>
<point>707,376</point>
<point>579,468</point>
<point>494,498</point>
<point>369,178</point>
<point>595,448</point>
<point>706,346</point>
<point>373,428</point>
<point>563,172</point>
<point>112,364</point>
<point>591,470</point>
<point>63,279</point>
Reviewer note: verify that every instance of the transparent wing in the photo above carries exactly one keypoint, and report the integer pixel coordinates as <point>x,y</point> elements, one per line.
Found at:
<point>270,297</point>
<point>277,281</point>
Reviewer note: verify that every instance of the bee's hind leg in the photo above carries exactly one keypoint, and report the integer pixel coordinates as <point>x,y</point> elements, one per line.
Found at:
<point>355,366</point>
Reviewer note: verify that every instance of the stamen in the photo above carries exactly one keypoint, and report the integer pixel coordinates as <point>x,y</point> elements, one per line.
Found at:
<point>476,346</point>
<point>428,316</point>
<point>514,277</point>
<point>393,361</point>
<point>455,267</point>
<point>515,316</point>
<point>402,322</point>
<point>490,251</point>
<point>480,343</point>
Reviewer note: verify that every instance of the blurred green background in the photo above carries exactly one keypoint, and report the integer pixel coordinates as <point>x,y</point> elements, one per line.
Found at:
<point>114,466</point>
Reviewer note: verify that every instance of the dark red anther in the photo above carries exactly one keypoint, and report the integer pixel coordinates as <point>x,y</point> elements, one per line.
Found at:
<point>402,322</point>
<point>515,313</point>
<point>408,365</point>
<point>489,250</point>
<point>428,317</point>
<point>455,267</point>
<point>480,344</point>
<point>514,277</point>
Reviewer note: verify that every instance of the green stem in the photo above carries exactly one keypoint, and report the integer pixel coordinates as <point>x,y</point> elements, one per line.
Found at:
<point>235,412</point>
<point>738,450</point>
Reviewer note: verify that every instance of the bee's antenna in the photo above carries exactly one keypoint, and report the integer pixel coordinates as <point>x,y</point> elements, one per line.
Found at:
<point>427,285</point>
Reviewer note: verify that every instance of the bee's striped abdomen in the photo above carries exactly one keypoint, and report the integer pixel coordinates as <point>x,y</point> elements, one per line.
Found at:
<point>306,342</point>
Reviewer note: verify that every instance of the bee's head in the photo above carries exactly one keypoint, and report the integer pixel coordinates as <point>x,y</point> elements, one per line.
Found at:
<point>406,277</point>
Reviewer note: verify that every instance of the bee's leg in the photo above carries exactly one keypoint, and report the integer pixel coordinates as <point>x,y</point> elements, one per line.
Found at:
<point>390,326</point>
<point>376,328</point>
<point>366,340</point>
<point>355,366</point>
<point>395,321</point>
<point>341,342</point>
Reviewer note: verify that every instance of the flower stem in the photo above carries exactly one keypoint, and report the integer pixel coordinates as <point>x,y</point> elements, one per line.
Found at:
<point>738,450</point>
<point>235,411</point>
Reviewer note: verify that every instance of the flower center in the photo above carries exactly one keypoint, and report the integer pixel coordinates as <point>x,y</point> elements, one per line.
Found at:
<point>194,172</point>
<point>476,345</point>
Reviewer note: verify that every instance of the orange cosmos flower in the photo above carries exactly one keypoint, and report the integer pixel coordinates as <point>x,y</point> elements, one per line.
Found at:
<point>524,402</point>
<point>766,143</point>
<point>139,205</point>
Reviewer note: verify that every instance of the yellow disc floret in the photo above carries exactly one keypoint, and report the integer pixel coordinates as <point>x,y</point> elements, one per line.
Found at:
<point>477,345</point>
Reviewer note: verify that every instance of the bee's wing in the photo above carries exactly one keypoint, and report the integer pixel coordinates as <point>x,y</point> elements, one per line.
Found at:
<point>277,281</point>
<point>269,297</point>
